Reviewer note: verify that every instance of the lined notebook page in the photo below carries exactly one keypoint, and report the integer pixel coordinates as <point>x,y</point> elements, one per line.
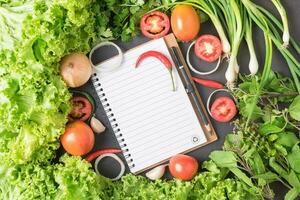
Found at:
<point>155,122</point>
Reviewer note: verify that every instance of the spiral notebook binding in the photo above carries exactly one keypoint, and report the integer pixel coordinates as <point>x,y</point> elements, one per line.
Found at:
<point>113,121</point>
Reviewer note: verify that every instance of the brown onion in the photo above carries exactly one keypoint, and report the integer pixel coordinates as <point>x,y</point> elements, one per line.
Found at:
<point>75,69</point>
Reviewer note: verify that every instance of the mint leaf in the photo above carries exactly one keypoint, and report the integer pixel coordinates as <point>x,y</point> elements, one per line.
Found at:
<point>294,160</point>
<point>294,108</point>
<point>224,158</point>
<point>268,128</point>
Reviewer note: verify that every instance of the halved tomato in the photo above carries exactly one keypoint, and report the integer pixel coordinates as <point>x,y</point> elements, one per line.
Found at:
<point>208,48</point>
<point>155,24</point>
<point>82,109</point>
<point>223,109</point>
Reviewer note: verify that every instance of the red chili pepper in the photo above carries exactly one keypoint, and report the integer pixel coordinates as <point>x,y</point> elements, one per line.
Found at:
<point>160,57</point>
<point>157,55</point>
<point>208,83</point>
<point>95,154</point>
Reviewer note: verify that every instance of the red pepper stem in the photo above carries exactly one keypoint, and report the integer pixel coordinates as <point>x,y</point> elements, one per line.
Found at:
<point>173,81</point>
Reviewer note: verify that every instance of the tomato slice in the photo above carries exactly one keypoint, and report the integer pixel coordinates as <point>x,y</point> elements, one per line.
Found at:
<point>82,109</point>
<point>155,24</point>
<point>208,48</point>
<point>223,109</point>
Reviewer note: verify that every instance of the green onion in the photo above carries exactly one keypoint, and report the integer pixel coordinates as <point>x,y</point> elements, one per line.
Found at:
<point>282,12</point>
<point>264,77</point>
<point>273,19</point>
<point>253,63</point>
<point>265,24</point>
<point>233,18</point>
<point>261,21</point>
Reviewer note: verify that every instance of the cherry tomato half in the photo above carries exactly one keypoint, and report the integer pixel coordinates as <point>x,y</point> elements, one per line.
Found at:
<point>185,22</point>
<point>82,109</point>
<point>223,109</point>
<point>78,138</point>
<point>155,24</point>
<point>208,48</point>
<point>183,167</point>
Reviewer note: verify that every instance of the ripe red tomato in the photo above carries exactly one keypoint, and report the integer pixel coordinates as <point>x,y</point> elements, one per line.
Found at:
<point>223,109</point>
<point>78,138</point>
<point>183,167</point>
<point>185,22</point>
<point>208,48</point>
<point>82,109</point>
<point>155,24</point>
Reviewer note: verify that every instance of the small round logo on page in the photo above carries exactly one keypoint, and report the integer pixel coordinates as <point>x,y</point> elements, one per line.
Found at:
<point>195,139</point>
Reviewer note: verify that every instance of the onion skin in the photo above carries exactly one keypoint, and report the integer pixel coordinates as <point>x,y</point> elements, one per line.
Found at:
<point>75,69</point>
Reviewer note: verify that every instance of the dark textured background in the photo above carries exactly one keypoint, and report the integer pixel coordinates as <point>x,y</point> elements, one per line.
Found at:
<point>107,139</point>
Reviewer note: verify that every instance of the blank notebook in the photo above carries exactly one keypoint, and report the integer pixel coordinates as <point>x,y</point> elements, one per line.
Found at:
<point>151,122</point>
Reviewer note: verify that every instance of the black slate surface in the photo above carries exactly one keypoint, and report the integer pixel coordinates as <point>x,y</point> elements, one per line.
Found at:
<point>107,139</point>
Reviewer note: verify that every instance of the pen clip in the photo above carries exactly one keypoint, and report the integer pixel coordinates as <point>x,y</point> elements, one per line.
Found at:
<point>175,56</point>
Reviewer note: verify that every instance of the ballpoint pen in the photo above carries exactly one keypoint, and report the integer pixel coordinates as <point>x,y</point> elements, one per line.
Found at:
<point>190,88</point>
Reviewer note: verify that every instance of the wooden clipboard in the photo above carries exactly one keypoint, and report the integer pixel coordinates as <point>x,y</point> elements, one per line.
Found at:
<point>170,40</point>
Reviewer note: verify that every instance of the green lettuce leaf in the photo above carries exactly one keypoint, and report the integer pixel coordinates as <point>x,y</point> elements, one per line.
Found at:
<point>76,181</point>
<point>12,16</point>
<point>70,179</point>
<point>34,101</point>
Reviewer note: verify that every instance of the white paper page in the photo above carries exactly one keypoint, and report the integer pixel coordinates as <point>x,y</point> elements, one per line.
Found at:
<point>155,122</point>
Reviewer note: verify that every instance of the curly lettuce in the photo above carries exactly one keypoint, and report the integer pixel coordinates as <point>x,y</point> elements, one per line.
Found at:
<point>34,101</point>
<point>76,180</point>
<point>67,180</point>
<point>206,185</point>
<point>32,116</point>
<point>12,16</point>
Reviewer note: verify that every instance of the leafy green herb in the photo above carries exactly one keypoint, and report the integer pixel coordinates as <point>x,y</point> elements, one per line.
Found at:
<point>294,109</point>
<point>292,194</point>
<point>294,159</point>
<point>270,140</point>
<point>288,139</point>
<point>121,18</point>
<point>268,128</point>
<point>224,159</point>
